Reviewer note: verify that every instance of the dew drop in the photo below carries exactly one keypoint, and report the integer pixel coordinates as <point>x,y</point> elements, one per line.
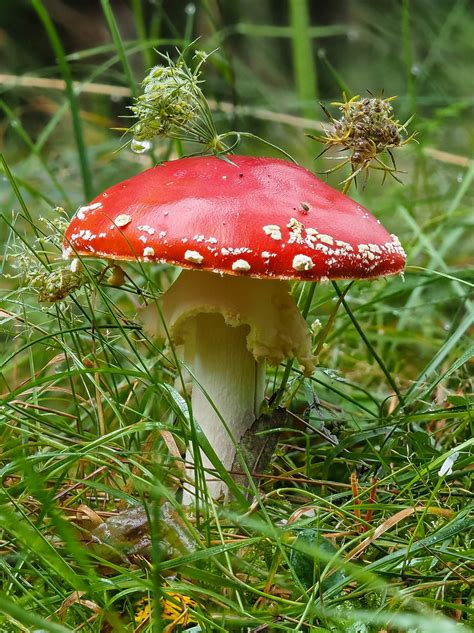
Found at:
<point>139,147</point>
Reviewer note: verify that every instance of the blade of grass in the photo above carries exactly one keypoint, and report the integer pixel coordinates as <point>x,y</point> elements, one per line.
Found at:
<point>303,59</point>
<point>369,345</point>
<point>420,383</point>
<point>71,95</point>
<point>408,55</point>
<point>34,149</point>
<point>118,43</point>
<point>141,27</point>
<point>23,205</point>
<point>28,618</point>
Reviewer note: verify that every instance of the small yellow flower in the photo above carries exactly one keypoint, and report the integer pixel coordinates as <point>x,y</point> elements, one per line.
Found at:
<point>144,611</point>
<point>174,609</point>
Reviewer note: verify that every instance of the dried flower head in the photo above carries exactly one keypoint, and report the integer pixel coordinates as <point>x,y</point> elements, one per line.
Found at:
<point>57,285</point>
<point>34,262</point>
<point>367,129</point>
<point>172,105</point>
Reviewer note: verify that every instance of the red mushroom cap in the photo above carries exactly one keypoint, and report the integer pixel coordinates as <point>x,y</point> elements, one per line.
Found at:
<point>261,217</point>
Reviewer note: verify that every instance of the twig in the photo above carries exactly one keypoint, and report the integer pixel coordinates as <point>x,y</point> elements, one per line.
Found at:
<point>29,81</point>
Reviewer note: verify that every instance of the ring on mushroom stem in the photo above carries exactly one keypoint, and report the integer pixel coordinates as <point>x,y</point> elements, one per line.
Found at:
<point>258,222</point>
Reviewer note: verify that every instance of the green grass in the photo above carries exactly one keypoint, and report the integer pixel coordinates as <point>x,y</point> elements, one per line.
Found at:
<point>88,411</point>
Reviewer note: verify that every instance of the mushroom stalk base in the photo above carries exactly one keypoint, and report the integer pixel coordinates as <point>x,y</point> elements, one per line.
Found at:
<point>227,400</point>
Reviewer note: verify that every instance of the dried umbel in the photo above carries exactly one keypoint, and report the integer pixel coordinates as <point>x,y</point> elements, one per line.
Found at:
<point>57,285</point>
<point>168,101</point>
<point>367,129</point>
<point>35,263</point>
<point>172,104</point>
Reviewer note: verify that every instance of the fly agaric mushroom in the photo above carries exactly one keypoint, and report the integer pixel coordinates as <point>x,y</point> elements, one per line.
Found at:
<point>257,222</point>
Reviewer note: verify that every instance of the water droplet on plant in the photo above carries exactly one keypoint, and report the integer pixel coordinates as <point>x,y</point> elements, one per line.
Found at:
<point>415,70</point>
<point>139,147</point>
<point>190,8</point>
<point>353,34</point>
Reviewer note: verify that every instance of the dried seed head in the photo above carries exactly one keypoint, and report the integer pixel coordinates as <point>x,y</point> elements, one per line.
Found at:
<point>367,129</point>
<point>57,285</point>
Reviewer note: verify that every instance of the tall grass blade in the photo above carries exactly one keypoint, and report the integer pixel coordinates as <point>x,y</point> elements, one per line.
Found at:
<point>303,58</point>
<point>71,95</point>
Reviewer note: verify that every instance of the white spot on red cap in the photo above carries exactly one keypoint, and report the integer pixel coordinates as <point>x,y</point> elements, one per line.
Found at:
<point>241,266</point>
<point>81,212</point>
<point>122,220</point>
<point>375,248</point>
<point>296,230</point>
<point>193,256</point>
<point>75,265</point>
<point>147,229</point>
<point>86,235</point>
<point>148,251</point>
<point>302,262</point>
<point>327,239</point>
<point>273,230</point>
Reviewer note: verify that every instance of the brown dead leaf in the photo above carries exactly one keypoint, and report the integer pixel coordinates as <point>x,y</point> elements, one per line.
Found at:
<point>76,598</point>
<point>390,522</point>
<point>84,513</point>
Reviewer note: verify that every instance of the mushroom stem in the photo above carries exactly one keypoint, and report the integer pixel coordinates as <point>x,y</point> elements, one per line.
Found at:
<point>227,328</point>
<point>227,400</point>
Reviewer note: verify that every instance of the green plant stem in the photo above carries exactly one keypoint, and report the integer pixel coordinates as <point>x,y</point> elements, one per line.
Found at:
<point>303,60</point>
<point>139,19</point>
<point>71,95</point>
<point>118,43</point>
<point>408,55</point>
<point>369,345</point>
